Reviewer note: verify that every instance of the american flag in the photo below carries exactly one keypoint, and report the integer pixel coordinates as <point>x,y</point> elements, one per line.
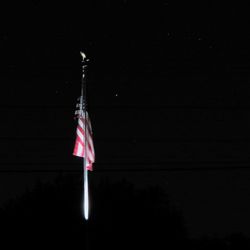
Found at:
<point>84,146</point>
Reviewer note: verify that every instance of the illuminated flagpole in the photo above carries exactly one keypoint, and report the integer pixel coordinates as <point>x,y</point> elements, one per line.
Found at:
<point>84,113</point>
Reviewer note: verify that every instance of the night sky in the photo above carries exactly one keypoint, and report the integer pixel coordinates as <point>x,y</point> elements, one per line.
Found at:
<point>168,97</point>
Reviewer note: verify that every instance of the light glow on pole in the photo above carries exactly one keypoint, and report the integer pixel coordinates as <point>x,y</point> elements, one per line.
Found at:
<point>86,195</point>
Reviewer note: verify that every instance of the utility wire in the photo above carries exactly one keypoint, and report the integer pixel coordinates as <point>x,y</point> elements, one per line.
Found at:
<point>132,139</point>
<point>142,106</point>
<point>101,167</point>
<point>206,169</point>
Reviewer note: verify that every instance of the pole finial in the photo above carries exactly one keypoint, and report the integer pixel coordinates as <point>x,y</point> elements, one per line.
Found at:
<point>84,57</point>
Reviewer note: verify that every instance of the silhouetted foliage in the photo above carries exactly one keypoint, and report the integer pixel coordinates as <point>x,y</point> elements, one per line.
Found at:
<point>135,217</point>
<point>236,241</point>
<point>122,217</point>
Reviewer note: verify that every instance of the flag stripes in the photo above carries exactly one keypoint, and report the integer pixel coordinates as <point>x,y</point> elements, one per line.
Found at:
<point>84,146</point>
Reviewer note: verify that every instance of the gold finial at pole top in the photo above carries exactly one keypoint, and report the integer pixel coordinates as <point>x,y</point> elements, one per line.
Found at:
<point>84,62</point>
<point>83,55</point>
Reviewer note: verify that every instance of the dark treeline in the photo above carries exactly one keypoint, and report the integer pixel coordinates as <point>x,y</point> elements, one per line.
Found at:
<point>122,217</point>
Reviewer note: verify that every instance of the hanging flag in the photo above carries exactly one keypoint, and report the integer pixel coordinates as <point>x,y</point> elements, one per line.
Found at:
<point>84,146</point>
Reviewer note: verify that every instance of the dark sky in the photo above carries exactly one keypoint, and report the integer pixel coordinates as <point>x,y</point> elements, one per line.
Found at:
<point>168,96</point>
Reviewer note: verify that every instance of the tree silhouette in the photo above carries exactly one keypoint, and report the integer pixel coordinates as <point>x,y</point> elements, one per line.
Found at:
<point>121,217</point>
<point>141,218</point>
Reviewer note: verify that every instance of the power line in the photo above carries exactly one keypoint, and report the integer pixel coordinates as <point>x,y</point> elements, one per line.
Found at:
<point>134,161</point>
<point>141,106</point>
<point>133,139</point>
<point>203,169</point>
<point>75,167</point>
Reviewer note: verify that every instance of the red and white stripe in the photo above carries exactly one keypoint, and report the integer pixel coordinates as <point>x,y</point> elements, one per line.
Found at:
<point>84,136</point>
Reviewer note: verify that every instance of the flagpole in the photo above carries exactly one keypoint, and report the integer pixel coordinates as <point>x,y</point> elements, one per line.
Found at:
<point>85,171</point>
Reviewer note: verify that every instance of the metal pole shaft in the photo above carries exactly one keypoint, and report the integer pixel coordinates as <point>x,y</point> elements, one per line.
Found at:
<point>84,114</point>
<point>86,191</point>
